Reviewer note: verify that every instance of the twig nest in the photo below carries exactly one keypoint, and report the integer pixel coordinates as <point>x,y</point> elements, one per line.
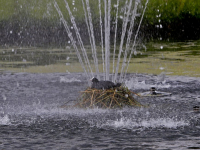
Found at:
<point>109,98</point>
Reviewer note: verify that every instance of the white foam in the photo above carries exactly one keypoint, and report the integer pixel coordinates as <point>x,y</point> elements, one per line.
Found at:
<point>4,120</point>
<point>51,110</point>
<point>146,123</point>
<point>67,80</point>
<point>135,84</point>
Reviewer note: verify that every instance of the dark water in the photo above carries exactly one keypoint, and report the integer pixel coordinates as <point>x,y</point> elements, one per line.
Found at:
<point>31,117</point>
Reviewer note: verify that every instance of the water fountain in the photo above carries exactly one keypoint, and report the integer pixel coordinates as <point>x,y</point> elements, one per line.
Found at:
<point>92,97</point>
<point>127,45</point>
<point>30,112</point>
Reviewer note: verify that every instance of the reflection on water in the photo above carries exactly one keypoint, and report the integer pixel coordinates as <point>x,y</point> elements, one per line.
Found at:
<point>180,58</point>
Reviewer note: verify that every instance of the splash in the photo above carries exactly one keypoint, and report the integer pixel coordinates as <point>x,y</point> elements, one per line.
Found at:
<point>133,83</point>
<point>131,123</point>
<point>4,120</point>
<point>67,80</point>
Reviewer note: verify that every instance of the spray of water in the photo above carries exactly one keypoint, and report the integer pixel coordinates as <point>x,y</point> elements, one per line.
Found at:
<point>73,41</point>
<point>134,43</point>
<point>116,20</point>
<point>127,32</point>
<point>130,31</point>
<point>102,48</point>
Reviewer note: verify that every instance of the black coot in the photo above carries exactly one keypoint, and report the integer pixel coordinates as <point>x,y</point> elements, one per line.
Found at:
<point>96,84</point>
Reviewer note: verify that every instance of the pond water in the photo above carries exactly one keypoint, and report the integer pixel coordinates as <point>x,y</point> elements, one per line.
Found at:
<point>32,117</point>
<point>173,58</point>
<point>32,95</point>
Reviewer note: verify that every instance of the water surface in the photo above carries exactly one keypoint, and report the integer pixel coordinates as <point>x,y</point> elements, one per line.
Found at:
<point>173,58</point>
<point>31,116</point>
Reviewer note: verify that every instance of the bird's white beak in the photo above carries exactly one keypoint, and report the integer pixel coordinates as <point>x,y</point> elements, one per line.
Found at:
<point>91,78</point>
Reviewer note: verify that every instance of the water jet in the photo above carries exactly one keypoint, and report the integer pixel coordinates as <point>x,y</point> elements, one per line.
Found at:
<point>127,43</point>
<point>130,14</point>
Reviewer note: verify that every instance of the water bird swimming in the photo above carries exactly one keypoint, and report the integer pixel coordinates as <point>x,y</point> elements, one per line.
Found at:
<point>153,91</point>
<point>96,84</point>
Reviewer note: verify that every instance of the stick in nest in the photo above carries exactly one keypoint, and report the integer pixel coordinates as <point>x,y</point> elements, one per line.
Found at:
<point>109,98</point>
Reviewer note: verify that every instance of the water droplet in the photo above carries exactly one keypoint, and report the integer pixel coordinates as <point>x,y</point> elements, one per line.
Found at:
<point>4,97</point>
<point>68,47</point>
<point>67,71</point>
<point>67,64</point>
<point>161,68</point>
<point>115,5</point>
<point>161,26</point>
<point>144,47</point>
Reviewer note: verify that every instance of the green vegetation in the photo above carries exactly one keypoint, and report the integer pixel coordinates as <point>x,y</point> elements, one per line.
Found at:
<point>167,10</point>
<point>169,19</point>
<point>41,9</point>
<point>179,19</point>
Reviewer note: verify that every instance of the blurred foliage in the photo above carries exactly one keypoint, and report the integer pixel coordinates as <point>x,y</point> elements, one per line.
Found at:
<point>28,16</point>
<point>40,9</point>
<point>167,10</point>
<point>7,9</point>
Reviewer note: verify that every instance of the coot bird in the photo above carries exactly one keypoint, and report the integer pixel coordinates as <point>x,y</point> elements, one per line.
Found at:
<point>96,84</point>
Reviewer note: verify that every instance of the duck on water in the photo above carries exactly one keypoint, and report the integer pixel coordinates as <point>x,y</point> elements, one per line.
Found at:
<point>96,84</point>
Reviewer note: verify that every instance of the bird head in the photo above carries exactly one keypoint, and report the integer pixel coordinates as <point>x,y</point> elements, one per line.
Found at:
<point>94,79</point>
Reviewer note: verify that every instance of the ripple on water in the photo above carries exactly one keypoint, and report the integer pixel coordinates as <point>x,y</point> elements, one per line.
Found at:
<point>30,115</point>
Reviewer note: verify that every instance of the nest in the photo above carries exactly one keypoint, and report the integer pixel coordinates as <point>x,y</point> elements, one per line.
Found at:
<point>109,98</point>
